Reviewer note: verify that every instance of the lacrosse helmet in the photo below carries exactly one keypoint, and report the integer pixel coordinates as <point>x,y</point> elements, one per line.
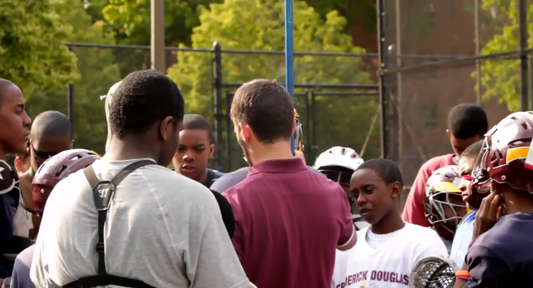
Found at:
<point>338,164</point>
<point>338,157</point>
<point>433,272</point>
<point>56,169</point>
<point>444,204</point>
<point>503,157</point>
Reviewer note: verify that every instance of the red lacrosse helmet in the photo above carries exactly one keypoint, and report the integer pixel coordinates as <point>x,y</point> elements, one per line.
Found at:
<point>502,158</point>
<point>56,169</point>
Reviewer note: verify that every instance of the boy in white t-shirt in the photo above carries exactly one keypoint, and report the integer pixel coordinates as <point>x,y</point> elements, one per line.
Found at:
<point>387,252</point>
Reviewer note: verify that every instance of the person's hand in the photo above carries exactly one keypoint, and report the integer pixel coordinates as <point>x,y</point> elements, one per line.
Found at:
<point>488,214</point>
<point>26,188</point>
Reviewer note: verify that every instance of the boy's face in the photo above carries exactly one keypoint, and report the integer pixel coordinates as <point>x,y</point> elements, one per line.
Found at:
<point>455,209</point>
<point>466,164</point>
<point>44,148</point>
<point>459,145</point>
<point>14,121</point>
<point>194,151</point>
<point>374,198</point>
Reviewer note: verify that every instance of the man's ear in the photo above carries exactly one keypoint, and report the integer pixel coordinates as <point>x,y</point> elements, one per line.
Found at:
<point>246,132</point>
<point>18,164</point>
<point>397,189</point>
<point>448,132</point>
<point>211,150</point>
<point>166,128</point>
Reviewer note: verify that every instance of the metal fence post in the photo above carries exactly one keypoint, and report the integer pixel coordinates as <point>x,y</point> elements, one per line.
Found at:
<point>228,132</point>
<point>314,122</point>
<point>217,104</point>
<point>310,156</point>
<point>530,82</point>
<point>70,100</point>
<point>478,51</point>
<point>522,22</point>
<point>382,50</point>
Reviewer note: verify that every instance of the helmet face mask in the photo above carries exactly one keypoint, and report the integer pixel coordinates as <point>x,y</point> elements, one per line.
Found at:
<point>339,175</point>
<point>444,204</point>
<point>502,158</point>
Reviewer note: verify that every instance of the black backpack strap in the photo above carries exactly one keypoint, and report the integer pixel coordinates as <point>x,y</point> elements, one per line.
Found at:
<point>103,192</point>
<point>104,280</point>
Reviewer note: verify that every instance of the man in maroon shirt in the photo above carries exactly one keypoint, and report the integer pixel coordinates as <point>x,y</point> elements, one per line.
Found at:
<point>467,124</point>
<point>288,220</point>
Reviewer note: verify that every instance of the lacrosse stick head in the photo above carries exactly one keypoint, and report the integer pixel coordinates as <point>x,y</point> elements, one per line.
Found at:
<point>433,272</point>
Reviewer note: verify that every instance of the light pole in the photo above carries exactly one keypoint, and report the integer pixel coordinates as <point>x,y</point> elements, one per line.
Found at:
<point>157,35</point>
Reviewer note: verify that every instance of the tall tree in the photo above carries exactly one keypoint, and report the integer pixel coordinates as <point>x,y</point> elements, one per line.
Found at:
<point>98,72</point>
<point>500,78</point>
<point>356,12</point>
<point>130,21</point>
<point>264,31</point>
<point>132,18</point>
<point>32,50</point>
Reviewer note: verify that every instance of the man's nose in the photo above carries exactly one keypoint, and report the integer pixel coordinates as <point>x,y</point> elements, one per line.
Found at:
<point>188,156</point>
<point>360,200</point>
<point>26,120</point>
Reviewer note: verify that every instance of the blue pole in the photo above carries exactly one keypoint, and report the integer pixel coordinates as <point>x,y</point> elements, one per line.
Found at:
<point>289,61</point>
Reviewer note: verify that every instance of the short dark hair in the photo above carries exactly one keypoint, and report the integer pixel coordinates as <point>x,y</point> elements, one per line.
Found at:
<point>387,169</point>
<point>4,84</point>
<point>267,107</point>
<point>472,151</point>
<point>197,122</point>
<point>467,121</point>
<point>51,124</point>
<point>143,98</point>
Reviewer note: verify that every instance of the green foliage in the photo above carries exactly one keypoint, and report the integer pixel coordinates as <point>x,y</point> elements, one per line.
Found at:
<point>264,31</point>
<point>32,50</point>
<point>98,72</point>
<point>360,12</point>
<point>132,20</point>
<point>501,78</point>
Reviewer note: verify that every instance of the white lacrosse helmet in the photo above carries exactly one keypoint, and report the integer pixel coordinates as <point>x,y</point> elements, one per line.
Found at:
<point>339,157</point>
<point>338,164</point>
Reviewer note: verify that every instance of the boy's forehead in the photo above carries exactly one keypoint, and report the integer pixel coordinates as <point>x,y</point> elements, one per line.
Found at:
<point>12,96</point>
<point>364,175</point>
<point>466,163</point>
<point>197,134</point>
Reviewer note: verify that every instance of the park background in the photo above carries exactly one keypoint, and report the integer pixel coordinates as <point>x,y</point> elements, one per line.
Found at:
<point>413,59</point>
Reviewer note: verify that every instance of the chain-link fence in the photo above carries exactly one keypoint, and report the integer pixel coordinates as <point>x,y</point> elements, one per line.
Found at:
<point>335,93</point>
<point>436,54</point>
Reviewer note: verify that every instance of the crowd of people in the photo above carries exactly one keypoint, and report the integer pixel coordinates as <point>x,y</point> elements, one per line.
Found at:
<point>72,218</point>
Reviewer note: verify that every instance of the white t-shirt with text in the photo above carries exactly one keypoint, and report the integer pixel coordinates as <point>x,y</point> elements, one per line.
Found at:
<point>162,228</point>
<point>385,261</point>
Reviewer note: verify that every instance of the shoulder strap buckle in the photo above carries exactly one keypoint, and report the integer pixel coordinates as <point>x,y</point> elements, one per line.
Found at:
<point>103,192</point>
